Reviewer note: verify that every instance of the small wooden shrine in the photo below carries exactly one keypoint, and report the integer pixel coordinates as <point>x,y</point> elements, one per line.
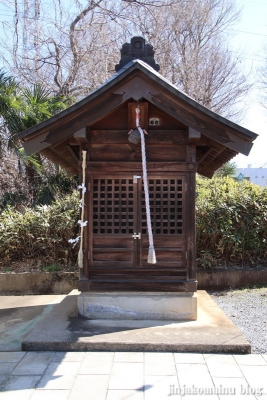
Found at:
<point>183,138</point>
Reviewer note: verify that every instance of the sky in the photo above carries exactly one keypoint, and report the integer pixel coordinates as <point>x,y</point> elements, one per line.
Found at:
<point>250,35</point>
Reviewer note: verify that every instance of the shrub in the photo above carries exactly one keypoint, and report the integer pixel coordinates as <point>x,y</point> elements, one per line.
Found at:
<point>231,222</point>
<point>40,233</point>
<point>231,228</point>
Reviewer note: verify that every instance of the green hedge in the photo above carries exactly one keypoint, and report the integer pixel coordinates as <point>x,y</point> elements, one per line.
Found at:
<point>231,227</point>
<point>40,234</point>
<point>231,222</point>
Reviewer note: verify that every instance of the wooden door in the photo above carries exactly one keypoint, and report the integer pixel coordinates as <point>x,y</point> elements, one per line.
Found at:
<point>112,224</point>
<point>118,229</point>
<point>167,208</point>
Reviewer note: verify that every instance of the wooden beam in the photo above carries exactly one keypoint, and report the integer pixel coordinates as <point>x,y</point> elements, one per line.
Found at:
<point>72,152</point>
<point>94,112</point>
<point>82,135</point>
<point>142,286</point>
<point>202,123</point>
<point>102,167</point>
<point>193,135</point>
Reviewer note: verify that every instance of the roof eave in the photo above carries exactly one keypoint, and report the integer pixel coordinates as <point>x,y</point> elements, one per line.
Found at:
<point>115,79</point>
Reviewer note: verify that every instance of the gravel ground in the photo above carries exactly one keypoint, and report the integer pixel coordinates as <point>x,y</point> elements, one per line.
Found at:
<point>247,308</point>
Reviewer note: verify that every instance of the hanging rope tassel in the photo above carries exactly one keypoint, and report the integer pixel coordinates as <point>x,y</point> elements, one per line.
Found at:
<point>151,258</point>
<point>81,221</point>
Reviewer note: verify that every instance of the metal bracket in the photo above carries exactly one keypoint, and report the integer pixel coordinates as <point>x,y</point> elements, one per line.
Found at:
<point>135,236</point>
<point>136,177</point>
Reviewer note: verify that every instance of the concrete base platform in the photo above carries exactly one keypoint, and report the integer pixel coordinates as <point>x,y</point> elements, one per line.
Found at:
<point>19,315</point>
<point>138,306</point>
<point>62,330</point>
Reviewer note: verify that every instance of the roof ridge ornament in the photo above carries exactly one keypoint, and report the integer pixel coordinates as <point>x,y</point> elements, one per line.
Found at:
<point>137,49</point>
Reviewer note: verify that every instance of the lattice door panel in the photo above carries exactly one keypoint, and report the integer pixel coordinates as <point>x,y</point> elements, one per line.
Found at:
<point>112,225</point>
<point>119,228</point>
<point>167,210</point>
<point>166,207</point>
<point>113,206</point>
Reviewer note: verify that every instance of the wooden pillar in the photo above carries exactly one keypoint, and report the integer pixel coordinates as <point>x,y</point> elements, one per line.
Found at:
<point>191,226</point>
<point>193,137</point>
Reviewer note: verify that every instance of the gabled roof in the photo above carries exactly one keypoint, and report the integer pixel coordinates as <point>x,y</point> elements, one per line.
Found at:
<point>137,80</point>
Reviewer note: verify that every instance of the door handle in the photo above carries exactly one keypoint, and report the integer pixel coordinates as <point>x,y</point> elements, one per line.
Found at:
<point>135,236</point>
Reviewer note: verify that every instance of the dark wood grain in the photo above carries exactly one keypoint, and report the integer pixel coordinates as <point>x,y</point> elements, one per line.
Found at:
<point>191,227</point>
<point>133,286</point>
<point>85,117</point>
<point>156,137</point>
<point>143,106</point>
<point>125,167</point>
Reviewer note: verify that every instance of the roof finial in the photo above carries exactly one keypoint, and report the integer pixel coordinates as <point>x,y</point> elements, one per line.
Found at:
<point>137,49</point>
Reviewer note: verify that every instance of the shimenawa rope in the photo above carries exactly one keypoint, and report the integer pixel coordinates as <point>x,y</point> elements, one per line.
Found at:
<point>81,221</point>
<point>151,257</point>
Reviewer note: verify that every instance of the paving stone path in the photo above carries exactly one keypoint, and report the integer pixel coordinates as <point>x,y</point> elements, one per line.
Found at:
<point>131,376</point>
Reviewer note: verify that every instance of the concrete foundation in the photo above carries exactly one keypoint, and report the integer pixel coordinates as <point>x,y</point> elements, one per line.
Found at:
<point>63,330</point>
<point>138,306</point>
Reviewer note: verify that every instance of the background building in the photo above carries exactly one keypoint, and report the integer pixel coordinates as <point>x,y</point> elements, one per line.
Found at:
<point>255,175</point>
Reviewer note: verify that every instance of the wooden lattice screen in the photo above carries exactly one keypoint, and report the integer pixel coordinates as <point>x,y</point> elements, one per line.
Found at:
<point>113,207</point>
<point>166,201</point>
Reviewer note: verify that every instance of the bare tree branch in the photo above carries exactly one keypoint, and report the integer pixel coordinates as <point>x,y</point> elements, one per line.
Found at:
<point>80,44</point>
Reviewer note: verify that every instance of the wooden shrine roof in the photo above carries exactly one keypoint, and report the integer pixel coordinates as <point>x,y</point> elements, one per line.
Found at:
<point>220,140</point>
